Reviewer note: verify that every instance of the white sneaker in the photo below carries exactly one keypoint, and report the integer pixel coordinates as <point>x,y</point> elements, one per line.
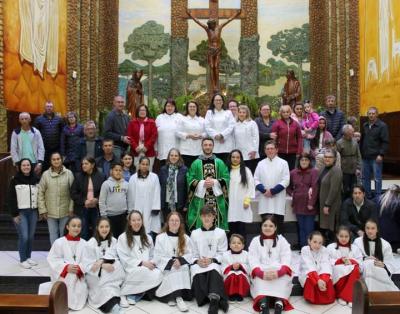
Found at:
<point>342,302</point>
<point>25,265</point>
<point>350,304</point>
<point>123,302</point>
<point>181,305</point>
<point>171,303</point>
<point>130,301</point>
<point>31,262</point>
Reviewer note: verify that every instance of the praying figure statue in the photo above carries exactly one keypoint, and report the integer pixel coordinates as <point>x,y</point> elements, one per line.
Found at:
<point>214,46</point>
<point>292,90</point>
<point>134,92</point>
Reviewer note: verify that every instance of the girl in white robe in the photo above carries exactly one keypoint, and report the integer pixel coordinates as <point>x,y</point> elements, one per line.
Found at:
<point>346,259</point>
<point>236,269</point>
<point>68,263</point>
<point>316,271</point>
<point>209,244</point>
<point>241,192</point>
<point>144,196</point>
<point>173,256</point>
<point>270,265</point>
<point>135,251</point>
<point>378,265</point>
<point>106,274</point>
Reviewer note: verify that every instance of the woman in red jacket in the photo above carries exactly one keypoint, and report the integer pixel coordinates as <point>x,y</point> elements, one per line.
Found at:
<point>288,136</point>
<point>142,132</point>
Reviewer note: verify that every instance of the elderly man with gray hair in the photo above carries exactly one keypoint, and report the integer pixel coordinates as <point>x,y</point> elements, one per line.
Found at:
<point>91,144</point>
<point>27,142</point>
<point>350,155</point>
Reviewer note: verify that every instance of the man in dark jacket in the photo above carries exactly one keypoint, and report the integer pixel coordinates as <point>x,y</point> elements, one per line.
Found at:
<point>50,126</point>
<point>115,126</point>
<point>374,144</point>
<point>103,163</point>
<point>356,210</point>
<point>90,145</point>
<point>335,118</point>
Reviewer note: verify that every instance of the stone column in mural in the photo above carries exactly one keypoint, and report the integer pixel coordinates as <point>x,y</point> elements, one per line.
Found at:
<point>179,47</point>
<point>249,49</point>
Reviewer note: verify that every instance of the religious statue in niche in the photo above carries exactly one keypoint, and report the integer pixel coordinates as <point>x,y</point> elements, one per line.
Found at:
<point>292,90</point>
<point>214,46</point>
<point>134,92</point>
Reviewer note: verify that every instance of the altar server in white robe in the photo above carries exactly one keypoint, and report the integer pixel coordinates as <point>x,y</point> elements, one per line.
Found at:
<point>378,265</point>
<point>144,196</point>
<point>316,271</point>
<point>241,192</point>
<point>246,137</point>
<point>236,269</point>
<point>135,251</point>
<point>346,259</point>
<point>219,125</point>
<point>209,244</point>
<point>106,274</point>
<point>68,262</point>
<point>173,255</point>
<point>271,270</point>
<point>271,178</point>
<point>167,123</point>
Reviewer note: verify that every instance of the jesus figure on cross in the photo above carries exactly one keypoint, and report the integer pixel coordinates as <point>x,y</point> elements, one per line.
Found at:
<point>214,46</point>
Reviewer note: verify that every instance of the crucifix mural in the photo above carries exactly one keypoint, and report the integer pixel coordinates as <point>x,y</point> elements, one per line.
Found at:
<point>213,30</point>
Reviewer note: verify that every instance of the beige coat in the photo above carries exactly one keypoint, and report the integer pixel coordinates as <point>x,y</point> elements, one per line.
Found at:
<point>54,196</point>
<point>330,194</point>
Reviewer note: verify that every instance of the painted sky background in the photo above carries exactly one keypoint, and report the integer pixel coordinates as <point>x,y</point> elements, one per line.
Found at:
<point>273,16</point>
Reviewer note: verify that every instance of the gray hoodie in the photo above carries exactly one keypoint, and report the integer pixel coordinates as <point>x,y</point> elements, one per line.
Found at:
<point>113,198</point>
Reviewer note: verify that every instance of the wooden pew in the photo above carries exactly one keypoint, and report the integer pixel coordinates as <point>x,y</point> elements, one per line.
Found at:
<point>381,302</point>
<point>55,303</point>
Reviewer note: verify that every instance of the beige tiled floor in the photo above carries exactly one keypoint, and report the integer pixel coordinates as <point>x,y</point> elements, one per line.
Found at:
<point>9,267</point>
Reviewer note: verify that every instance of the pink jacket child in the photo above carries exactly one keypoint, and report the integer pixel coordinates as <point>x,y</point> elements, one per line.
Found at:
<point>310,121</point>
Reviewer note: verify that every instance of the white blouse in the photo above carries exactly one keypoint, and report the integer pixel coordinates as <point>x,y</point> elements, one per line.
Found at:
<point>166,127</point>
<point>186,126</point>
<point>220,122</point>
<point>246,138</point>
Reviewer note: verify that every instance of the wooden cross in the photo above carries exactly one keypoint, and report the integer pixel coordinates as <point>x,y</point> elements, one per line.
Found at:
<point>214,12</point>
<point>74,257</point>
<point>141,250</point>
<point>174,252</point>
<point>210,245</point>
<point>269,253</point>
<point>104,251</point>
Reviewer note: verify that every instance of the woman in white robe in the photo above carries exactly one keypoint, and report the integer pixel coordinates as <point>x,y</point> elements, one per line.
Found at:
<point>68,263</point>
<point>135,251</point>
<point>346,259</point>
<point>241,192</point>
<point>167,123</point>
<point>219,125</point>
<point>316,271</point>
<point>236,269</point>
<point>378,265</point>
<point>106,274</point>
<point>144,196</point>
<point>209,244</point>
<point>270,265</point>
<point>173,256</point>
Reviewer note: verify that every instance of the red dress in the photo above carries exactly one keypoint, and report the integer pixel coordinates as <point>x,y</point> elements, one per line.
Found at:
<point>311,290</point>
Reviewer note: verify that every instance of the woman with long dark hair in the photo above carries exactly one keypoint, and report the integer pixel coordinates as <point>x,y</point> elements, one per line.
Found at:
<point>173,255</point>
<point>219,125</point>
<point>241,192</point>
<point>389,221</point>
<point>22,203</point>
<point>172,178</point>
<point>85,192</point>
<point>378,265</point>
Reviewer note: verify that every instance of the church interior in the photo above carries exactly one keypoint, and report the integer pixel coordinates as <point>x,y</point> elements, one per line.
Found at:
<point>80,54</point>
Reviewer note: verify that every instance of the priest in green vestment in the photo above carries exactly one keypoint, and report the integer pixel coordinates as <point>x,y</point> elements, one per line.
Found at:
<point>208,181</point>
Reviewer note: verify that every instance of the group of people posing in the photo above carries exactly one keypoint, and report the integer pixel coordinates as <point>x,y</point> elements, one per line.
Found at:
<point>221,163</point>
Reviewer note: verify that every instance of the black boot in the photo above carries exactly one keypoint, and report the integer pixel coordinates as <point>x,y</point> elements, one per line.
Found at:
<point>278,307</point>
<point>213,308</point>
<point>224,305</point>
<point>264,306</point>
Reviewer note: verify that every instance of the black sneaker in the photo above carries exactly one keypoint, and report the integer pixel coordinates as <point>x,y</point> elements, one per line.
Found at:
<point>264,306</point>
<point>278,307</point>
<point>239,298</point>
<point>224,305</point>
<point>213,308</point>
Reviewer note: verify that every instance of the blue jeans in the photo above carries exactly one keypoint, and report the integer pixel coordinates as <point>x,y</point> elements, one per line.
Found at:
<point>56,227</point>
<point>89,220</point>
<point>371,167</point>
<point>306,226</point>
<point>26,231</point>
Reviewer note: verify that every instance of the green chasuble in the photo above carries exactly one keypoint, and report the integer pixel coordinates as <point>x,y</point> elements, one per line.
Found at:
<point>202,168</point>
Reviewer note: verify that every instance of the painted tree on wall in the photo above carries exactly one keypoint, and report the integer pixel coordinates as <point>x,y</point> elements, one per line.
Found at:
<point>293,45</point>
<point>148,43</point>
